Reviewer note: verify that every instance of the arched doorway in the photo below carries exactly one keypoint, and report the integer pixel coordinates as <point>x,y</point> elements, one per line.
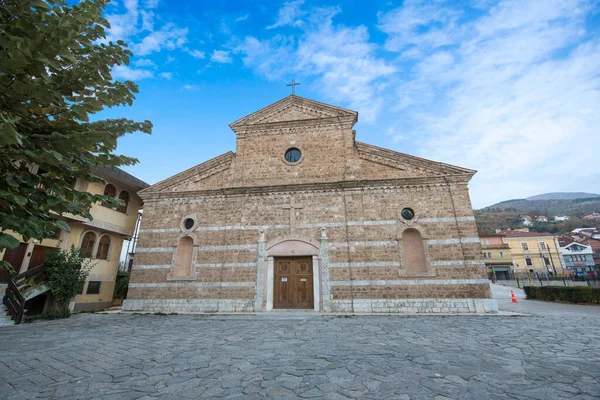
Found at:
<point>293,275</point>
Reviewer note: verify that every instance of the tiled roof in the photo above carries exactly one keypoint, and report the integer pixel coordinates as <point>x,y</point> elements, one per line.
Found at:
<point>510,234</point>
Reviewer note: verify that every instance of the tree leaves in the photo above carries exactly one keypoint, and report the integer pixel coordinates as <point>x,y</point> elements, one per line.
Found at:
<point>55,73</point>
<point>8,241</point>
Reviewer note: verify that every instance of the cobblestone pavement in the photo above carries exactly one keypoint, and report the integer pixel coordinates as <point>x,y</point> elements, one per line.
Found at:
<point>292,356</point>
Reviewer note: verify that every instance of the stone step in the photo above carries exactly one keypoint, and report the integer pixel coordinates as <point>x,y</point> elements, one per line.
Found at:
<point>5,319</point>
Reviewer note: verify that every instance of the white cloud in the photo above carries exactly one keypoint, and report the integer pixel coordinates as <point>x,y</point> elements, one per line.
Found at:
<point>196,53</point>
<point>170,37</point>
<point>221,56</point>
<point>144,62</point>
<point>166,75</point>
<point>507,94</point>
<point>151,3</point>
<point>242,18</point>
<point>191,88</point>
<point>147,20</point>
<point>136,25</point>
<point>289,14</point>
<point>341,59</point>
<point>127,73</point>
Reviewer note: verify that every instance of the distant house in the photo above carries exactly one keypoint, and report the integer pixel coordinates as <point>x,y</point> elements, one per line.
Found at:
<point>526,220</point>
<point>541,218</point>
<point>593,215</point>
<point>497,256</point>
<point>578,258</point>
<point>559,218</point>
<point>533,252</point>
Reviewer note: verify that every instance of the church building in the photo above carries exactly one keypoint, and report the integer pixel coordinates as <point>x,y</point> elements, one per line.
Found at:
<point>303,216</point>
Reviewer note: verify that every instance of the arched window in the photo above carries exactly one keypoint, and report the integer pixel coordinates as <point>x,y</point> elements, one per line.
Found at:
<point>103,248</point>
<point>87,244</point>
<point>125,197</point>
<point>183,257</point>
<point>413,252</point>
<point>110,191</point>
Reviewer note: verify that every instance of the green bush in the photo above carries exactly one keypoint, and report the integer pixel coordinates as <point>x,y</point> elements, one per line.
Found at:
<point>122,286</point>
<point>576,294</point>
<point>67,272</point>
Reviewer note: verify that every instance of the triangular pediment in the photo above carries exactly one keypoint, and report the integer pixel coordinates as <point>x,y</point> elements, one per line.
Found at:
<point>208,175</point>
<point>295,108</point>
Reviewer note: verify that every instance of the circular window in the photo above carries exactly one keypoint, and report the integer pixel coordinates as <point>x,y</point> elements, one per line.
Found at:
<point>293,155</point>
<point>407,213</point>
<point>188,223</point>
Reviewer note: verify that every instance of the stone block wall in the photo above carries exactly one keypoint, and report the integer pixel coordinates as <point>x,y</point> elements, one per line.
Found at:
<point>365,264</point>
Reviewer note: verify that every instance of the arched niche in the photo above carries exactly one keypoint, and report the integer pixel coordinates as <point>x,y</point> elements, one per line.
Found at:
<point>414,258</point>
<point>183,259</point>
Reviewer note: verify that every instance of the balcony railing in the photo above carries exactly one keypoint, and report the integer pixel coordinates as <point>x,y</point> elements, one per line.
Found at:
<point>495,246</point>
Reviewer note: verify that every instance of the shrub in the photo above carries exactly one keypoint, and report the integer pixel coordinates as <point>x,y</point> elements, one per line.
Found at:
<point>67,271</point>
<point>576,294</point>
<point>122,286</point>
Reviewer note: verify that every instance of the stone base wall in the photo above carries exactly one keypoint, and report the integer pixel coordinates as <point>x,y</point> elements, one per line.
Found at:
<point>182,306</point>
<point>414,306</point>
<point>403,306</point>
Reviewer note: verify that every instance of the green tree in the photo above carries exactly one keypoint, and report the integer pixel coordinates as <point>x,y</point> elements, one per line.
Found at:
<point>55,71</point>
<point>67,272</point>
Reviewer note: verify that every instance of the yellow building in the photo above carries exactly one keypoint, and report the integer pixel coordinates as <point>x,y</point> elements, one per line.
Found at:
<point>497,256</point>
<point>533,253</point>
<point>101,239</point>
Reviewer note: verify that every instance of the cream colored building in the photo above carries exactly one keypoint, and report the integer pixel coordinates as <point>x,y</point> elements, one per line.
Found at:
<point>533,253</point>
<point>497,257</point>
<point>101,239</point>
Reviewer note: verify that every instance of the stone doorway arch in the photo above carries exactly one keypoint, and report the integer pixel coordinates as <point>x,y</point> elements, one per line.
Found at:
<point>292,247</point>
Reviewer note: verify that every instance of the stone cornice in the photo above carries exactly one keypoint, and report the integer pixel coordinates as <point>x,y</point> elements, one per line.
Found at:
<point>405,184</point>
<point>311,113</point>
<point>286,127</point>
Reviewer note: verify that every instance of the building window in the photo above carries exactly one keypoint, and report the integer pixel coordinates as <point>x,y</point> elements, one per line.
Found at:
<point>528,261</point>
<point>524,246</point>
<point>293,155</point>
<point>542,246</point>
<point>484,255</point>
<point>93,287</point>
<point>124,195</point>
<point>87,244</point>
<point>188,223</point>
<point>547,261</point>
<point>501,254</point>
<point>110,191</point>
<point>407,213</point>
<point>489,254</point>
<point>413,252</point>
<point>103,248</point>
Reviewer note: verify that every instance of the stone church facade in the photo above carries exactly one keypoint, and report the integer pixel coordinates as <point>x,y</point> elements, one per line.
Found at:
<point>304,216</point>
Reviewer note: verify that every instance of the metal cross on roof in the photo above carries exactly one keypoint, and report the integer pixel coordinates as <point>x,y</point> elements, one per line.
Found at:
<point>293,85</point>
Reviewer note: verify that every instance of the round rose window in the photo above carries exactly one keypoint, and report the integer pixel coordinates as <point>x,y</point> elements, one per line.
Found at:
<point>293,155</point>
<point>407,213</point>
<point>188,223</point>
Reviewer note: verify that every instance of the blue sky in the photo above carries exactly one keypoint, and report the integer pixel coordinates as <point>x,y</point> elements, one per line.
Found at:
<point>510,88</point>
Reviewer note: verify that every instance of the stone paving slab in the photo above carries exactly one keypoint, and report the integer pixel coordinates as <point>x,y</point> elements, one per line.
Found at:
<point>127,356</point>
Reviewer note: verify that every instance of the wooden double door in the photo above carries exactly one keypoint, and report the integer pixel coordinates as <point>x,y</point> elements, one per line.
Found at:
<point>293,283</point>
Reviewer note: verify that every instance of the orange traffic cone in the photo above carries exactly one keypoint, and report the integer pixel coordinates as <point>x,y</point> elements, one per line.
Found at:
<point>512,296</point>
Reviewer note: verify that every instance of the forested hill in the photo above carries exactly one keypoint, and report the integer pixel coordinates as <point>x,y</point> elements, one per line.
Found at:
<point>563,196</point>
<point>505,215</point>
<point>575,207</point>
